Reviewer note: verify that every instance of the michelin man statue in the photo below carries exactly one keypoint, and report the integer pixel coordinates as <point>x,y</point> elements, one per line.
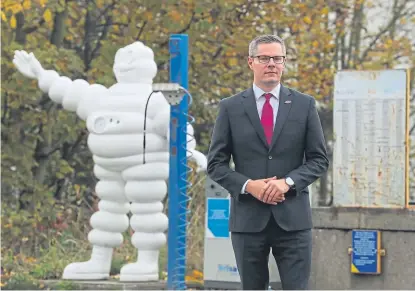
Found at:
<point>115,120</point>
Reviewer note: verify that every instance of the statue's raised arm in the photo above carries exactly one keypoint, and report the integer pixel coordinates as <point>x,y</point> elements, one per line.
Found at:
<point>60,89</point>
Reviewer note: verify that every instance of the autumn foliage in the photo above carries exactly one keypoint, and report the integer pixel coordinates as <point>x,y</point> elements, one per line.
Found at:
<point>47,181</point>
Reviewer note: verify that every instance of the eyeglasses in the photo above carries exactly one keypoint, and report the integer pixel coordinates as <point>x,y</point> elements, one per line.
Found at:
<point>266,59</point>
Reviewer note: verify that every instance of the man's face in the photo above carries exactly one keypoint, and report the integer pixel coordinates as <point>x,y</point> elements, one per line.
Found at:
<point>267,74</point>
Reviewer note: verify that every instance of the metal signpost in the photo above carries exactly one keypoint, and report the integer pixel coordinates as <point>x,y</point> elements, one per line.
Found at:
<point>177,205</point>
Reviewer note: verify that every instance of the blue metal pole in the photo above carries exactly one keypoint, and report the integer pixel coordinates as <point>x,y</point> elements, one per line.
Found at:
<point>177,203</point>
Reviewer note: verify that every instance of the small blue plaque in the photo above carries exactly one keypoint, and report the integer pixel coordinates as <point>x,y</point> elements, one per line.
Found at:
<point>365,252</point>
<point>218,217</point>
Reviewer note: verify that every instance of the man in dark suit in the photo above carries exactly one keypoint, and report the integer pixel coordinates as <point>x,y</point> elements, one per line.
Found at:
<point>275,138</point>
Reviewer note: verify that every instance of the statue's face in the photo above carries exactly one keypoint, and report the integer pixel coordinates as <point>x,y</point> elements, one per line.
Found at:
<point>135,64</point>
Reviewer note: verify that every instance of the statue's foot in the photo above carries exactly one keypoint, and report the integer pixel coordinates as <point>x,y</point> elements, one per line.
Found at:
<point>141,271</point>
<point>97,268</point>
<point>90,270</point>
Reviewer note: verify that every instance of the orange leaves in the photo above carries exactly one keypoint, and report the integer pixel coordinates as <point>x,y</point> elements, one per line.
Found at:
<point>13,6</point>
<point>99,3</point>
<point>388,43</point>
<point>307,20</point>
<point>232,61</point>
<point>10,8</point>
<point>175,15</point>
<point>294,27</point>
<point>13,22</point>
<point>324,11</point>
<point>27,4</point>
<point>195,277</point>
<point>148,15</point>
<point>47,15</point>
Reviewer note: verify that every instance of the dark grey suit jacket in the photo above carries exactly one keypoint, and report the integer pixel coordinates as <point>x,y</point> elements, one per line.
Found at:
<point>297,150</point>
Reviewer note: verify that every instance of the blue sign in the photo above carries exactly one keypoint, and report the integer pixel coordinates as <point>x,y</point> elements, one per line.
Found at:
<point>365,252</point>
<point>218,217</point>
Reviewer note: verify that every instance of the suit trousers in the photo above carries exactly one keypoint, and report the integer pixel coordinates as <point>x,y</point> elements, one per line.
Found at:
<point>291,250</point>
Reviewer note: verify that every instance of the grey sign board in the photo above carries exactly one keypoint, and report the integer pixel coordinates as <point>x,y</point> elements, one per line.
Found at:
<point>370,163</point>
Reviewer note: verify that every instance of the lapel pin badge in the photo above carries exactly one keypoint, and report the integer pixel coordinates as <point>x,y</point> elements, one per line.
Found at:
<point>287,102</point>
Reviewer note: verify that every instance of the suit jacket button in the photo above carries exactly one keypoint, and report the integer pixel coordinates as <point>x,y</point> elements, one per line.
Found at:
<point>270,157</point>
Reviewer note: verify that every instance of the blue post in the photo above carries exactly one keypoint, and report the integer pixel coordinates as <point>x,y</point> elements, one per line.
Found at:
<point>177,207</point>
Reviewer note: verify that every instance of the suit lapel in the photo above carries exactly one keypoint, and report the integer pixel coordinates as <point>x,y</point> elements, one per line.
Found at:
<point>284,108</point>
<point>249,102</point>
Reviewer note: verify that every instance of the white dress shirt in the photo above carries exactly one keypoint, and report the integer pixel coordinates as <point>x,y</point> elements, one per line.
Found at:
<point>260,101</point>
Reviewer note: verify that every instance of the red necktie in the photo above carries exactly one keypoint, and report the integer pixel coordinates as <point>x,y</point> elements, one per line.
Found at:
<point>267,118</point>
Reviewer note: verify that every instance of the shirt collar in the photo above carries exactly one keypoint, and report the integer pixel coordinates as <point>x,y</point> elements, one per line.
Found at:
<point>259,92</point>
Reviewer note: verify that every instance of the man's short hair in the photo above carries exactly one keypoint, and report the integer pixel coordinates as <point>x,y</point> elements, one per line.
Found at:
<point>267,38</point>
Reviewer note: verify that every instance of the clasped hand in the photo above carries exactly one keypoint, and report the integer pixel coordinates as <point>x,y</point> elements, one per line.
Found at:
<point>270,190</point>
